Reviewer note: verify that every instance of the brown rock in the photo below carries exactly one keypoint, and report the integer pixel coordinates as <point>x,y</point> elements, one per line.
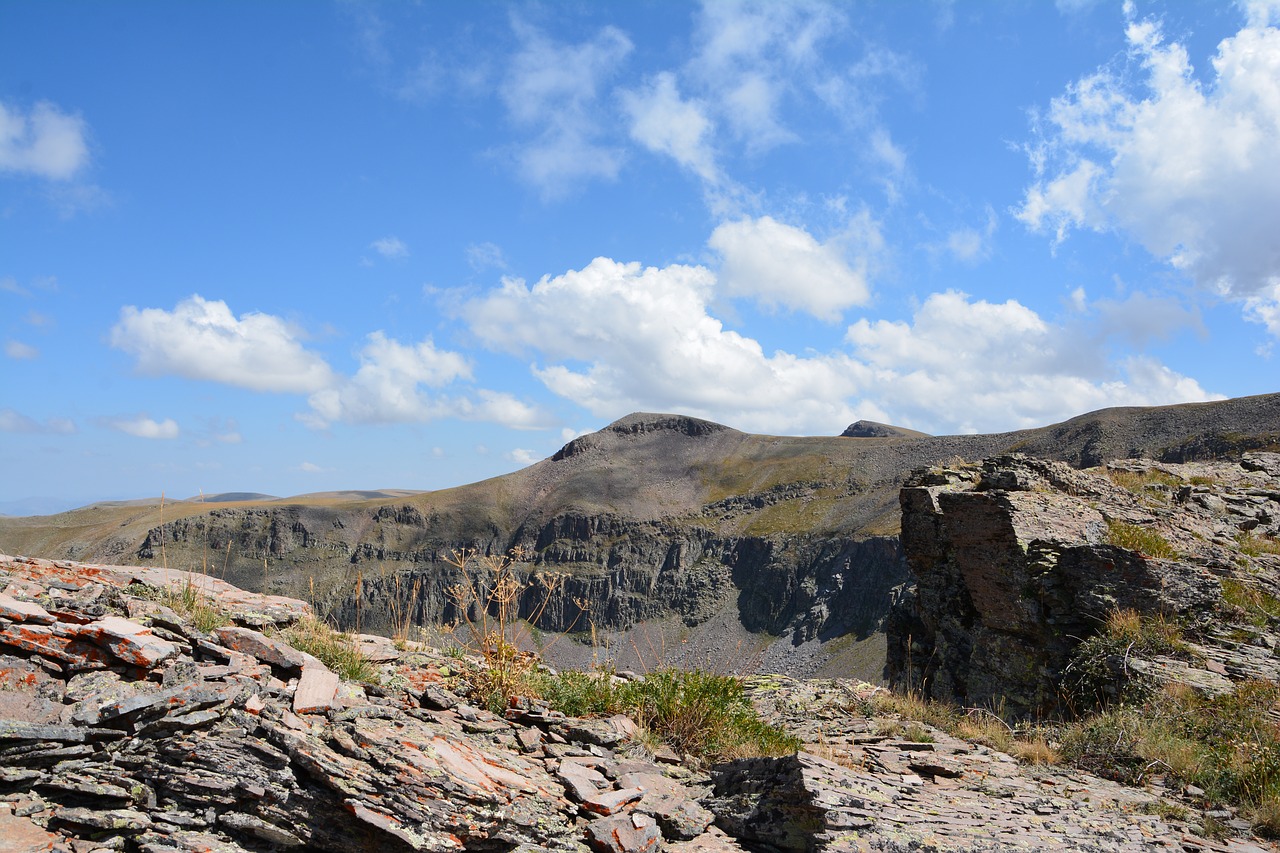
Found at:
<point>630,833</point>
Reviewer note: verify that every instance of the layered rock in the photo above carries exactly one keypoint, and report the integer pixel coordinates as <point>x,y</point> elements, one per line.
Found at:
<point>1016,561</point>
<point>153,735</point>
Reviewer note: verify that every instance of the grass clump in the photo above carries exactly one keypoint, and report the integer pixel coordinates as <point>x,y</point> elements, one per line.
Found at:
<point>703,714</point>
<point>1227,745</point>
<point>1151,482</point>
<point>1143,540</point>
<point>1259,607</point>
<point>186,600</point>
<point>1101,672</point>
<point>698,713</point>
<point>336,650</point>
<point>1255,546</point>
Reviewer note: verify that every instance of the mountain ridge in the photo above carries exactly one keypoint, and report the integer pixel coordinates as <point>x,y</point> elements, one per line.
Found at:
<point>711,537</point>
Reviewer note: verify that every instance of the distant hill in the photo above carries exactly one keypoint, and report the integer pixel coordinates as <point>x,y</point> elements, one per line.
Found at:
<point>678,533</point>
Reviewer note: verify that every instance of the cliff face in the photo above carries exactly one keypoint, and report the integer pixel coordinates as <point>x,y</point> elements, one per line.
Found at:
<point>703,535</point>
<point>393,563</point>
<point>1016,561</point>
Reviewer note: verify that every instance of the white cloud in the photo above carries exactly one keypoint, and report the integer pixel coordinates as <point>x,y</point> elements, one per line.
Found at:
<point>202,339</point>
<point>748,56</point>
<point>393,385</point>
<point>385,389</point>
<point>143,426</point>
<point>482,256</point>
<point>778,264</point>
<point>664,122</point>
<point>970,245</point>
<point>19,350</point>
<point>978,366</point>
<point>45,142</point>
<point>521,456</point>
<point>1264,308</point>
<point>616,338</point>
<point>12,421</point>
<point>1189,169</point>
<point>554,89</point>
<point>310,468</point>
<point>644,340</point>
<point>390,247</point>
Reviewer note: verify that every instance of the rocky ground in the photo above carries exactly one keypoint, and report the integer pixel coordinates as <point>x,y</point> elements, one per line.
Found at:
<point>123,726</point>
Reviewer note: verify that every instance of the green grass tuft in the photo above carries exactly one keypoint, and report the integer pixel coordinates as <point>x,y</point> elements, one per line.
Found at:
<point>1142,540</point>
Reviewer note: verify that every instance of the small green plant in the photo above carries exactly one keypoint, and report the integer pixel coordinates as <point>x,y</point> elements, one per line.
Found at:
<point>1143,540</point>
<point>916,733</point>
<point>703,714</point>
<point>336,650</point>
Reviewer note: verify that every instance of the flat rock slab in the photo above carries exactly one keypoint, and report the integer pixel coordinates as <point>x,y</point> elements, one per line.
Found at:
<point>264,648</point>
<point>317,691</point>
<point>127,640</point>
<point>24,611</point>
<point>20,835</point>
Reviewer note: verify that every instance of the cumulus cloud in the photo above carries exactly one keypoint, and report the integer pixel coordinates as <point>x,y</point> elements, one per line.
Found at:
<point>779,264</point>
<point>521,456</point>
<point>1188,169</point>
<point>143,426</point>
<point>622,337</point>
<point>385,387</point>
<point>202,339</point>
<point>978,366</point>
<point>615,337</point>
<point>390,247</point>
<point>395,384</point>
<point>1264,308</point>
<point>554,90</point>
<point>13,421</point>
<point>44,142</point>
<point>20,351</point>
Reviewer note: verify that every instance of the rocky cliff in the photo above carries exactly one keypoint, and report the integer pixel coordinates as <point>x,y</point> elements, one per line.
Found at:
<point>1018,561</point>
<point>680,536</point>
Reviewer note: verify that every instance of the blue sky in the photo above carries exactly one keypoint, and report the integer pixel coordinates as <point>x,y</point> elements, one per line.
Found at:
<point>295,247</point>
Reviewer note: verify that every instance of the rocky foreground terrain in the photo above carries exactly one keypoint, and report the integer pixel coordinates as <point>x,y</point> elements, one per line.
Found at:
<point>124,726</point>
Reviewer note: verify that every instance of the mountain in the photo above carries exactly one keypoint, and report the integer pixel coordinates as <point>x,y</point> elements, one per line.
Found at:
<point>683,540</point>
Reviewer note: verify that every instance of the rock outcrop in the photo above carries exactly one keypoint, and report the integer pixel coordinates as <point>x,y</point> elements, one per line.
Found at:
<point>1016,561</point>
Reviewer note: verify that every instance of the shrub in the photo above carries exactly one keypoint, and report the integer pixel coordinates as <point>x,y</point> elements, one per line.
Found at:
<point>1100,673</point>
